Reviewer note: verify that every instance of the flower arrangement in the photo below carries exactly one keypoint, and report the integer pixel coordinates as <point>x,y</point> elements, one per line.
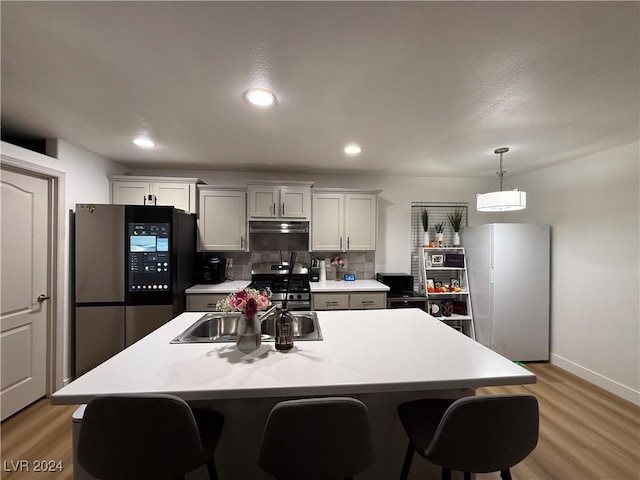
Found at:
<point>439,227</point>
<point>248,301</point>
<point>338,262</point>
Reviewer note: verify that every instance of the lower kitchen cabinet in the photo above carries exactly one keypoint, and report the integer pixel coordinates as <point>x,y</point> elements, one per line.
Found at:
<point>349,301</point>
<point>204,302</point>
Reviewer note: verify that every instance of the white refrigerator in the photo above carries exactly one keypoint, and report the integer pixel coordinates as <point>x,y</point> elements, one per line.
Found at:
<point>508,268</point>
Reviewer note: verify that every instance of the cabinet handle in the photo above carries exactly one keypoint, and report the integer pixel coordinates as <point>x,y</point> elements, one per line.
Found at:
<point>241,242</point>
<point>282,214</point>
<point>347,243</point>
<point>340,243</point>
<point>274,209</point>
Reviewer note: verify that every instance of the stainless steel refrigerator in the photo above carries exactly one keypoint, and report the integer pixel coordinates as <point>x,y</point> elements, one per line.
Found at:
<point>508,267</point>
<point>131,267</point>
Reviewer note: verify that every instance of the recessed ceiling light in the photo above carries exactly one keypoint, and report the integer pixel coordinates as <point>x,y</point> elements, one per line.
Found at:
<point>352,149</point>
<point>260,97</point>
<point>144,142</point>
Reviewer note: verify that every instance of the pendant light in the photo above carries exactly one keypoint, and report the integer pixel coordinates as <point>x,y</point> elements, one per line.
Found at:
<point>502,200</point>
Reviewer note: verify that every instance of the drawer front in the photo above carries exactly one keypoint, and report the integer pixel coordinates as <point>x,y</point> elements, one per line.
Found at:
<point>203,302</point>
<point>364,301</point>
<point>330,301</point>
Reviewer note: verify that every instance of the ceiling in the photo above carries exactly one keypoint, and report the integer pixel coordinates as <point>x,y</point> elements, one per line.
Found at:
<point>426,88</point>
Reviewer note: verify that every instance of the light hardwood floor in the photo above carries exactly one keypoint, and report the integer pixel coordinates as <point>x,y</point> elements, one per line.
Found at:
<point>585,433</point>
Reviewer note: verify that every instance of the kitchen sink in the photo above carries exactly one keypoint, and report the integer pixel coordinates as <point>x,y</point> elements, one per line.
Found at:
<point>217,327</point>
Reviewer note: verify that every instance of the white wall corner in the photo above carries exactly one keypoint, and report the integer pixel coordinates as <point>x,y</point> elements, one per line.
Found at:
<point>608,384</point>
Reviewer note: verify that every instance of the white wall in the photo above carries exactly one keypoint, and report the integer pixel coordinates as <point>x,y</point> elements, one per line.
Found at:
<point>593,206</point>
<point>85,181</point>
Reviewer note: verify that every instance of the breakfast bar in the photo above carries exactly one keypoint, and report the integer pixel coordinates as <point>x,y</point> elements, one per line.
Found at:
<point>382,357</point>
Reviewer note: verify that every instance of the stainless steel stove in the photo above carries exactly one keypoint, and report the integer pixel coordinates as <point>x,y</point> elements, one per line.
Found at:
<point>276,276</point>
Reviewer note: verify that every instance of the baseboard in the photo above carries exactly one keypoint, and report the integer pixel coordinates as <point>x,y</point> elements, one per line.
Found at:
<point>608,384</point>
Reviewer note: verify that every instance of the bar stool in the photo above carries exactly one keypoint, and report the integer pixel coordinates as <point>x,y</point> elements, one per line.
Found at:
<point>472,434</point>
<point>317,439</point>
<point>127,437</point>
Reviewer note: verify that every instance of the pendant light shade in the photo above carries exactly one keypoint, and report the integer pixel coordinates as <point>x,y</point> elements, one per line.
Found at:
<point>502,200</point>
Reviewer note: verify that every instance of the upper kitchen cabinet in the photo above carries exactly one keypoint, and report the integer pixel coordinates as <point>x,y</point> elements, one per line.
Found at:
<point>222,219</point>
<point>344,220</point>
<point>277,201</point>
<point>175,191</point>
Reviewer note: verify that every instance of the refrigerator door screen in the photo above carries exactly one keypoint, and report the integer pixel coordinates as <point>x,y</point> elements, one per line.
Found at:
<point>149,257</point>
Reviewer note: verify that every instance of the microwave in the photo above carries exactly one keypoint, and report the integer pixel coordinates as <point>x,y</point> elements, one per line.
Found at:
<point>397,282</point>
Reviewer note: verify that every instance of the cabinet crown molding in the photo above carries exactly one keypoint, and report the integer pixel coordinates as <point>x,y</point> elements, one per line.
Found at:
<point>241,188</point>
<point>280,183</point>
<point>145,178</point>
<point>363,191</point>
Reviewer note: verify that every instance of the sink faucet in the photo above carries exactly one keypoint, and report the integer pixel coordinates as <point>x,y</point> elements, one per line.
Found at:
<point>267,313</point>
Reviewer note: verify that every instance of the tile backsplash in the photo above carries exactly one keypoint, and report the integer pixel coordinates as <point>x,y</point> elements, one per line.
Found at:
<point>274,248</point>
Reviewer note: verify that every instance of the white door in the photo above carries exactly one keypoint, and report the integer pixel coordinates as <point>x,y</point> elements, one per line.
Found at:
<point>173,194</point>
<point>296,202</point>
<point>327,224</point>
<point>360,221</point>
<point>222,225</point>
<point>23,316</point>
<point>129,193</point>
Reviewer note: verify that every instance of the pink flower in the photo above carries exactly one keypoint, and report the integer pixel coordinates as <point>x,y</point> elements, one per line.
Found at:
<point>248,301</point>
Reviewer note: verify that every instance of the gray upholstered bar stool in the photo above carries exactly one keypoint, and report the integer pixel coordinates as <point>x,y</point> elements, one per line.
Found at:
<point>317,439</point>
<point>147,437</point>
<point>473,434</point>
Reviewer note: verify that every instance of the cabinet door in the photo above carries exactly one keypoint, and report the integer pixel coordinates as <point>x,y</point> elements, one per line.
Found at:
<point>330,301</point>
<point>129,193</point>
<point>263,202</point>
<point>367,300</point>
<point>327,224</point>
<point>361,214</point>
<point>174,194</point>
<point>203,302</point>
<point>222,221</point>
<point>295,202</point>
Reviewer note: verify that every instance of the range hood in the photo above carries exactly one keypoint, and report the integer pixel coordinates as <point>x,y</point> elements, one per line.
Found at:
<point>278,226</point>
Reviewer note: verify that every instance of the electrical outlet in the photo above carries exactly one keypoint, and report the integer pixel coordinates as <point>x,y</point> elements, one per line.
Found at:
<point>229,262</point>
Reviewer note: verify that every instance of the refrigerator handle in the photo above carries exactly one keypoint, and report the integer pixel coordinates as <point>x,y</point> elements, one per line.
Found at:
<point>491,275</point>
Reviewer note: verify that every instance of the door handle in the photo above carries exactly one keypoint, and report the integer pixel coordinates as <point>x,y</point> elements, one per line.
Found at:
<point>42,297</point>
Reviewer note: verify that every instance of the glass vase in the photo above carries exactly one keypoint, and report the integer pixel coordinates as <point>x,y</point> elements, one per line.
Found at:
<point>339,274</point>
<point>248,334</point>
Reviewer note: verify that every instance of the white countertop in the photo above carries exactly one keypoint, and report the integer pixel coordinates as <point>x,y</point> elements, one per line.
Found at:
<point>348,286</point>
<point>224,287</point>
<point>364,351</point>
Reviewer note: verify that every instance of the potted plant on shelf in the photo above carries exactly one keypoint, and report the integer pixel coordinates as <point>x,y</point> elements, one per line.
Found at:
<point>455,219</point>
<point>439,235</point>
<point>425,227</point>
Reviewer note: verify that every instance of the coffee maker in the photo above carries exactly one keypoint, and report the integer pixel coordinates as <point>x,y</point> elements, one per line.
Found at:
<point>212,269</point>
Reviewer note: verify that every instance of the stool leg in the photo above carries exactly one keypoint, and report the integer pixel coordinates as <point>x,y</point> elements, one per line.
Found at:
<point>505,474</point>
<point>408,456</point>
<point>446,474</point>
<point>467,476</point>
<point>211,466</point>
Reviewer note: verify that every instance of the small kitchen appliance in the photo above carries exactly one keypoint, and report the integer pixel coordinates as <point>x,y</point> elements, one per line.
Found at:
<point>276,276</point>
<point>212,270</point>
<point>401,294</point>
<point>314,270</point>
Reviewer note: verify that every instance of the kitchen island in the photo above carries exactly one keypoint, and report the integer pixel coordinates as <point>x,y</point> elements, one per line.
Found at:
<point>382,357</point>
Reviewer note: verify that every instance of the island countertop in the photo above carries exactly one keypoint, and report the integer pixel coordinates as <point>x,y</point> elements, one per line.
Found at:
<point>363,351</point>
